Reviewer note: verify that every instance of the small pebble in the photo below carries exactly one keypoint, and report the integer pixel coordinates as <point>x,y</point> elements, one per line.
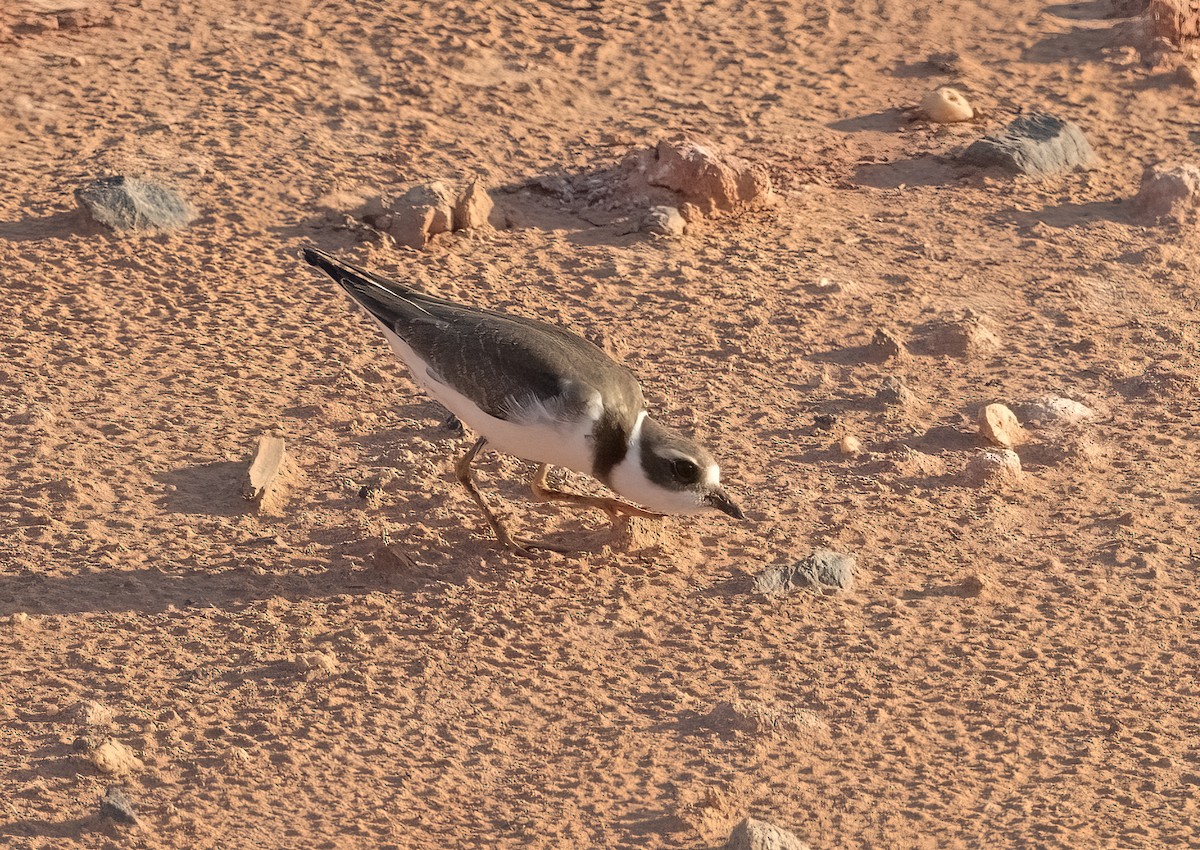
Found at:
<point>885,346</point>
<point>999,426</point>
<point>1169,190</point>
<point>974,585</point>
<point>325,662</point>
<point>825,421</point>
<point>113,757</point>
<point>665,221</point>
<point>92,713</point>
<point>947,105</point>
<point>473,207</point>
<point>1001,467</point>
<point>850,446</point>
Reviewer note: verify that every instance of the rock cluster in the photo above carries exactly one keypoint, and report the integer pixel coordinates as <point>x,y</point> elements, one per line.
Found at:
<point>713,183</point>
<point>427,210</point>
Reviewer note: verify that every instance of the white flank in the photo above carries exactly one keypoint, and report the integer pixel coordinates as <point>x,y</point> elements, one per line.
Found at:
<point>534,434</point>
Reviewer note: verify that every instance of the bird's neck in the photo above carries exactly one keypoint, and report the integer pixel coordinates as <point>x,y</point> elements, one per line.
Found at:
<point>616,442</point>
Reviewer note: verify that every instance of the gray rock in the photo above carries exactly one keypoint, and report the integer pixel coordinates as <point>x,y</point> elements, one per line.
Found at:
<point>894,391</point>
<point>753,834</point>
<point>130,203</point>
<point>665,221</point>
<point>823,570</point>
<point>1036,144</point>
<point>116,805</point>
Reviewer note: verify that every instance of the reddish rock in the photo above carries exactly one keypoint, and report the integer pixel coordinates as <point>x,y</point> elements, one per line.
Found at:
<point>472,207</point>
<point>1168,191</point>
<point>711,182</point>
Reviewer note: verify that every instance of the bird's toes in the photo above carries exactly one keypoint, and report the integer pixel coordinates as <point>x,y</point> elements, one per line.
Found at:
<point>544,546</point>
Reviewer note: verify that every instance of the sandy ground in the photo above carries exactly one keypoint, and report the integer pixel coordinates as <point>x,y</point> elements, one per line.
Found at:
<point>1016,665</point>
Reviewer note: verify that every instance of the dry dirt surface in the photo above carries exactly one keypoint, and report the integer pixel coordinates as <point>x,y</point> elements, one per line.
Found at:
<point>358,666</point>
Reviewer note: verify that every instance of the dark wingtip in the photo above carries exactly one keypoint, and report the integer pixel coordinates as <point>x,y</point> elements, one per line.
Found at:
<point>318,258</point>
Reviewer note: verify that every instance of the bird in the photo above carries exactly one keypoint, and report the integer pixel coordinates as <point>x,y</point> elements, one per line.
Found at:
<point>540,392</point>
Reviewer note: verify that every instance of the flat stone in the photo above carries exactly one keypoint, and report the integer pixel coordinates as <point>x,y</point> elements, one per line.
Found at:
<point>752,834</point>
<point>1053,408</point>
<point>264,468</point>
<point>823,570</point>
<point>116,805</point>
<point>665,221</point>
<point>1037,144</point>
<point>130,203</point>
<point>999,426</point>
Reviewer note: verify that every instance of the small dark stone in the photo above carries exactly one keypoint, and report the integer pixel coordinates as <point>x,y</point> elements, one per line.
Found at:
<point>368,491</point>
<point>824,569</point>
<point>116,805</point>
<point>128,203</point>
<point>1036,144</point>
<point>825,421</point>
<point>453,425</point>
<point>85,744</point>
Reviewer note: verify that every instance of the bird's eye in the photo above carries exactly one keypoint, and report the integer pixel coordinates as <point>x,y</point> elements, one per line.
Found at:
<point>684,470</point>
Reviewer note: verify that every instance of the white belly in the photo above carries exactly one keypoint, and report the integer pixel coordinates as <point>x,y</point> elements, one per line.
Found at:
<point>567,444</point>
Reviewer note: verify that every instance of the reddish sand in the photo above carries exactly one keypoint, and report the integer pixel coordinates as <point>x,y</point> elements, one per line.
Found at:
<point>1017,663</point>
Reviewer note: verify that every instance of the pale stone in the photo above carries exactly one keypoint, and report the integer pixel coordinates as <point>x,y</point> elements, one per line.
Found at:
<point>999,426</point>
<point>946,105</point>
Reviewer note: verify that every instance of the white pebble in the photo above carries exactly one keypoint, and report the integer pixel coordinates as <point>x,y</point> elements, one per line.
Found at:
<point>947,106</point>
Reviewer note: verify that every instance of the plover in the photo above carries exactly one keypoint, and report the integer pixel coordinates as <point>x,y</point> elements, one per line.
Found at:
<point>542,393</point>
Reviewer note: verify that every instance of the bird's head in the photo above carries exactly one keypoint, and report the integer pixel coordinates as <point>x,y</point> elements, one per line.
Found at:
<point>670,473</point>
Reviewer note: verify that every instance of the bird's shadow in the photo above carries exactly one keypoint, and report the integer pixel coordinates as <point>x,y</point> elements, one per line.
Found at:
<point>914,171</point>
<point>58,225</point>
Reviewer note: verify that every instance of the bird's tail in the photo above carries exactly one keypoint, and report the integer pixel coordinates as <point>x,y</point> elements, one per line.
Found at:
<point>383,298</point>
